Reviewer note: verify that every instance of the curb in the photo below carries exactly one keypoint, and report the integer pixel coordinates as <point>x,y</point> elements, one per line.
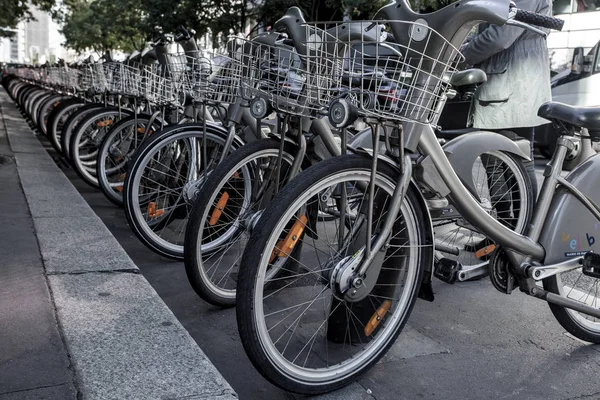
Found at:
<point>123,341</point>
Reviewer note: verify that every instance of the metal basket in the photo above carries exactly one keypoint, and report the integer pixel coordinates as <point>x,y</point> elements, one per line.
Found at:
<point>72,78</point>
<point>207,78</point>
<point>275,73</point>
<point>54,77</point>
<point>402,81</point>
<point>157,88</point>
<point>85,78</point>
<point>122,79</point>
<point>99,83</point>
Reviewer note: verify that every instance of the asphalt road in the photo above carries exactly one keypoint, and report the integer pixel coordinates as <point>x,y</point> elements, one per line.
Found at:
<point>471,343</point>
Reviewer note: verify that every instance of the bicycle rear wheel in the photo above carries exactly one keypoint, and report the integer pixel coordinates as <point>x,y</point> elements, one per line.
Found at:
<point>581,288</point>
<point>299,328</point>
<point>504,189</point>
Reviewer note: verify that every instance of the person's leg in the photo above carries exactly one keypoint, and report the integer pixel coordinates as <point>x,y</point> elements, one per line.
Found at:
<point>529,134</point>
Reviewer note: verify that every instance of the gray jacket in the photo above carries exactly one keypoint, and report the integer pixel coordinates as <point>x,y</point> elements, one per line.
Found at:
<point>518,68</point>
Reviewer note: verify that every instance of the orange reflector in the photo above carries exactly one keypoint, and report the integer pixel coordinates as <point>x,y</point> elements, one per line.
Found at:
<point>102,124</point>
<point>377,317</point>
<point>142,130</point>
<point>236,175</point>
<point>121,178</point>
<point>218,211</point>
<point>485,251</point>
<point>153,212</point>
<point>57,103</point>
<point>285,246</point>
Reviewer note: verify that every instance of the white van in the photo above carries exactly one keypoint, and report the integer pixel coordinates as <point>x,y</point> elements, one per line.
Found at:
<point>581,29</point>
<point>577,86</point>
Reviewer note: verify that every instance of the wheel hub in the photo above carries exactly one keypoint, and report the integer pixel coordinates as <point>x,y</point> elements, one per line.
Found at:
<point>191,190</point>
<point>345,282</point>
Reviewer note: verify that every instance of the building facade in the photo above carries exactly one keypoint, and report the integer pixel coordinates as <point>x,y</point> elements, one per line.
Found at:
<point>35,41</point>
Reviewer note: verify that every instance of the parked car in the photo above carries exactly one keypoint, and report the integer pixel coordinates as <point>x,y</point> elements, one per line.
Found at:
<point>578,86</point>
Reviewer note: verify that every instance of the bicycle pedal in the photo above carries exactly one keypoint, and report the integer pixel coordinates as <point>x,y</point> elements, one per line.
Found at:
<point>446,270</point>
<point>591,265</point>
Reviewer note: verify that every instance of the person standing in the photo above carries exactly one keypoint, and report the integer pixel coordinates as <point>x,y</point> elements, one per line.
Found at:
<point>517,64</point>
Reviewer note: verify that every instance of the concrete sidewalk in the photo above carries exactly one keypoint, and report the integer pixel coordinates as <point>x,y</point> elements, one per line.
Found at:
<point>78,319</point>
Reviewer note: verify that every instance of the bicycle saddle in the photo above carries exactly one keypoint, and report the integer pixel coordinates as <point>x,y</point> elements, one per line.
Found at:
<point>582,117</point>
<point>467,77</point>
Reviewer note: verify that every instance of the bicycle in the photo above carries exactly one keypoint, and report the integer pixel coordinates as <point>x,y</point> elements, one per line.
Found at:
<point>171,166</point>
<point>317,326</point>
<point>237,192</point>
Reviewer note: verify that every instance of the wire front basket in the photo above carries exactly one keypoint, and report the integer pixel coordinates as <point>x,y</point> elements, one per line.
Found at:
<point>158,88</point>
<point>275,73</point>
<point>207,77</point>
<point>402,80</point>
<point>122,79</point>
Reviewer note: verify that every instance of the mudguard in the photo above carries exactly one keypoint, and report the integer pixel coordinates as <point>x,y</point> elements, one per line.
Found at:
<point>426,290</point>
<point>463,151</point>
<point>570,229</point>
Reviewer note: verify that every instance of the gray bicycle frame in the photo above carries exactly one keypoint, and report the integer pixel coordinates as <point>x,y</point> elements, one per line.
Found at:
<point>522,250</point>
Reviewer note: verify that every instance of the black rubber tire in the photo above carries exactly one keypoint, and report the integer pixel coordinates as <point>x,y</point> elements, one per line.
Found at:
<point>247,325</point>
<point>31,104</point>
<point>71,124</point>
<point>116,199</point>
<point>24,94</point>
<point>57,118</point>
<point>35,106</point>
<point>77,133</point>
<point>45,109</point>
<point>128,189</point>
<point>565,319</point>
<point>213,184</point>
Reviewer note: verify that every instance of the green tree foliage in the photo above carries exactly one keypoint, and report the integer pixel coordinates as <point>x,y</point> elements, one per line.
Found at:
<point>429,5</point>
<point>14,11</point>
<point>330,10</point>
<point>127,24</point>
<point>317,10</point>
<point>103,25</point>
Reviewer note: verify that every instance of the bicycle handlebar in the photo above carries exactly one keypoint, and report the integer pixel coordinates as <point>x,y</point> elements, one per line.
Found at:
<point>543,21</point>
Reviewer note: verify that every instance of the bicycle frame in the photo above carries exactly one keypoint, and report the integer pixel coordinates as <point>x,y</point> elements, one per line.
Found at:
<point>524,252</point>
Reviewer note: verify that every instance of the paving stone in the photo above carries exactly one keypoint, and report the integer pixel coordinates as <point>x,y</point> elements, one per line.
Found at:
<point>78,244</point>
<point>354,391</point>
<point>49,194</point>
<point>126,343</point>
<point>29,160</point>
<point>411,344</point>
<point>62,392</point>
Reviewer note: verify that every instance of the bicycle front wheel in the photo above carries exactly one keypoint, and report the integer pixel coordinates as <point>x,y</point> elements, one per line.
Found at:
<point>299,328</point>
<point>226,211</point>
<point>163,180</point>
<point>116,152</point>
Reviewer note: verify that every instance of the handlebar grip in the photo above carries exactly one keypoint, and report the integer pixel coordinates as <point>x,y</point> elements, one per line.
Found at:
<point>541,20</point>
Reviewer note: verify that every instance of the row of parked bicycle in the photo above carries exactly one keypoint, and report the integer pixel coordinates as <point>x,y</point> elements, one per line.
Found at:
<point>256,167</point>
